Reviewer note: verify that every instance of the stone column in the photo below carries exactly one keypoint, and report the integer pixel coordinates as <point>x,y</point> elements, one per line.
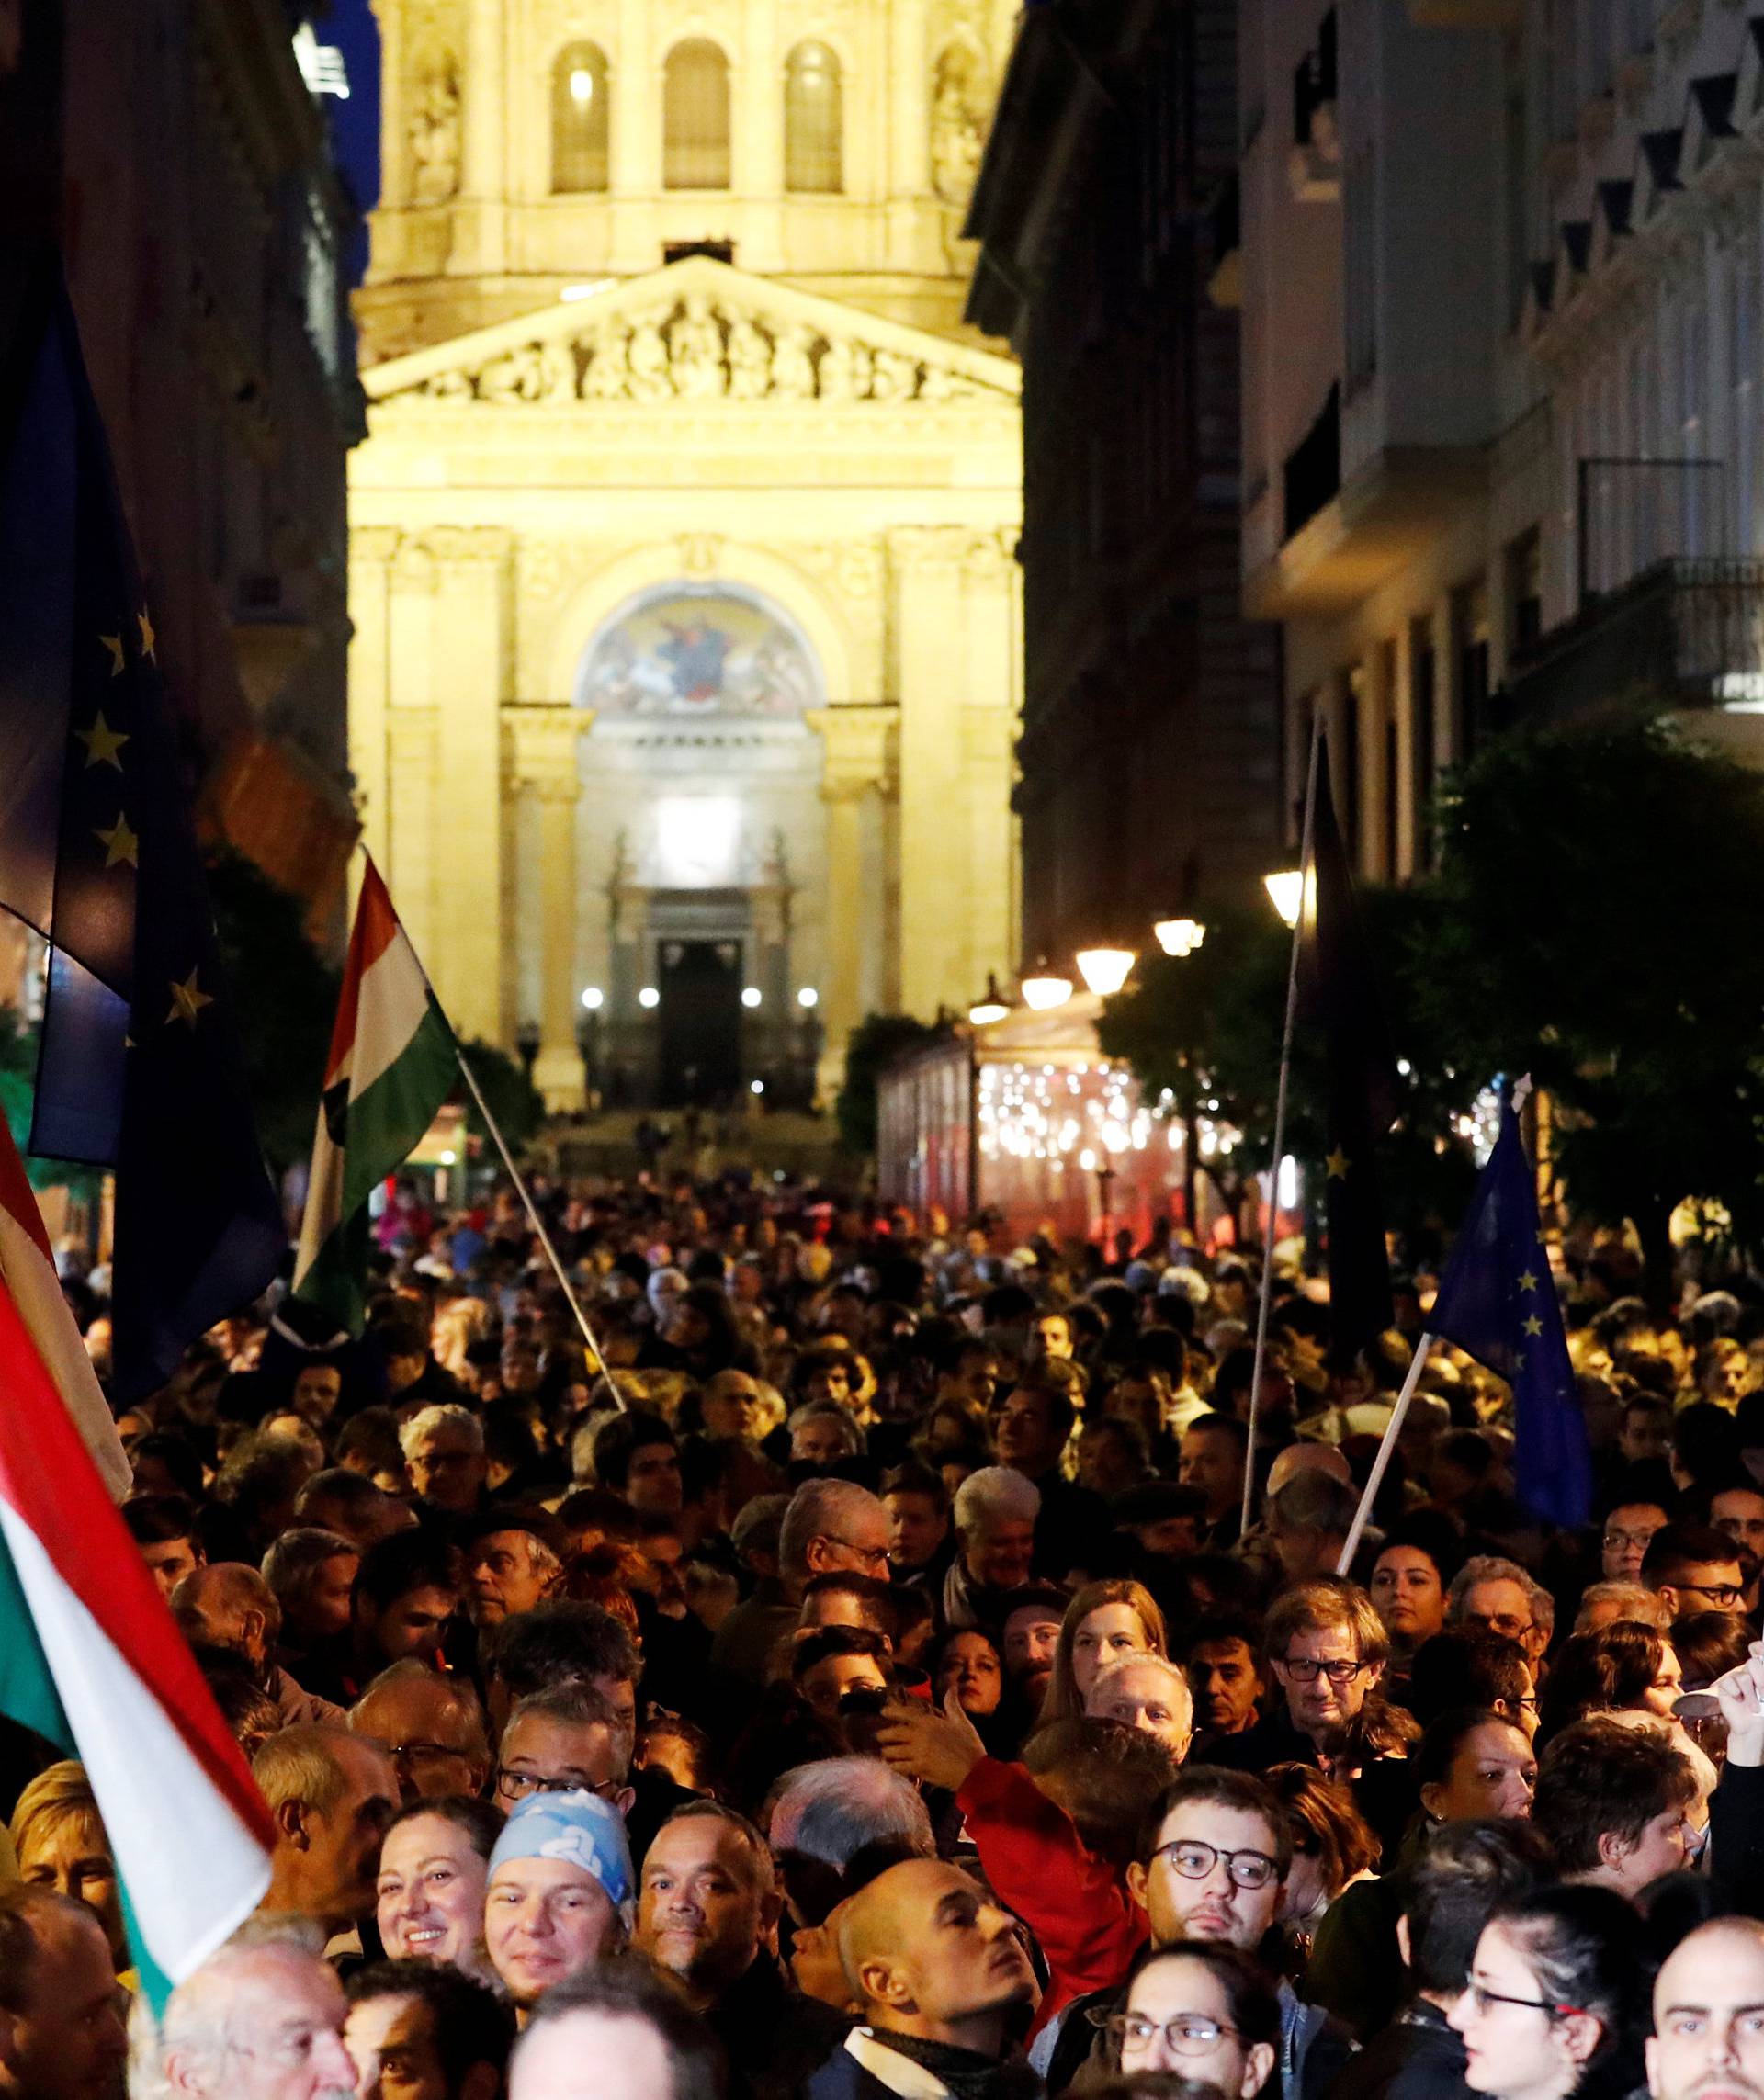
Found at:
<point>372,551</point>
<point>857,768</point>
<point>543,764</point>
<point>937,866</point>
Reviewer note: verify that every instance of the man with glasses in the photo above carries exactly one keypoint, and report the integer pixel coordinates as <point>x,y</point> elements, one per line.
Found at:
<point>1496,1595</point>
<point>1326,1649</point>
<point>1695,1568</point>
<point>1217,1853</point>
<point>1629,1532</point>
<point>432,1727</point>
<point>563,1740</point>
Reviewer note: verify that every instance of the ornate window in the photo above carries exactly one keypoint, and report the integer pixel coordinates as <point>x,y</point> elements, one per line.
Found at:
<point>813,120</point>
<point>581,119</point>
<point>695,116</point>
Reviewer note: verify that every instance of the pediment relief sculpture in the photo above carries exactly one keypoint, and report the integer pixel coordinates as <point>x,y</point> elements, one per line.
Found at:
<point>703,347</point>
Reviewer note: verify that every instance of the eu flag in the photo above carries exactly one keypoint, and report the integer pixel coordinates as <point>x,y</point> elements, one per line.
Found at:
<point>1498,1304</point>
<point>140,1065</point>
<point>1359,1075</point>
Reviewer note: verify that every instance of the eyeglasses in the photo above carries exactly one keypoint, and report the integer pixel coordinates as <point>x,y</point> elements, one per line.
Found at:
<point>1506,1623</point>
<point>872,1556</point>
<point>1724,1596</point>
<point>1643,1539</point>
<point>521,1786</point>
<point>1481,2000</point>
<point>1195,1860</point>
<point>1303,1671</point>
<point>1185,2034</point>
<point>420,1753</point>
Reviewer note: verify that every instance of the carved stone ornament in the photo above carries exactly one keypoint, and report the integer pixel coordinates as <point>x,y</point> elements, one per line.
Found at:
<point>433,135</point>
<point>702,347</point>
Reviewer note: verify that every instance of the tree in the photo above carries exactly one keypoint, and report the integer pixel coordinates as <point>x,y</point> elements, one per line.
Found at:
<point>874,1045</point>
<point>1598,926</point>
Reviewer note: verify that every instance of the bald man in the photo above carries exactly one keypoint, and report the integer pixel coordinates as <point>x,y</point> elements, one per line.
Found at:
<point>936,1968</point>
<point>1708,2039</point>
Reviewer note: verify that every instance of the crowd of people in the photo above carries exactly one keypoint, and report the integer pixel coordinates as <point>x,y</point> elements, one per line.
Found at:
<point>852,1677</point>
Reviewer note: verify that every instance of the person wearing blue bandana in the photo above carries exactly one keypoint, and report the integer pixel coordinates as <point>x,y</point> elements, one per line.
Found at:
<point>560,1893</point>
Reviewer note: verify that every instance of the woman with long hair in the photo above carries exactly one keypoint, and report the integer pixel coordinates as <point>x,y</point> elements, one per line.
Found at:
<point>1333,1847</point>
<point>1555,1988</point>
<point>1105,1621</point>
<point>1619,1669</point>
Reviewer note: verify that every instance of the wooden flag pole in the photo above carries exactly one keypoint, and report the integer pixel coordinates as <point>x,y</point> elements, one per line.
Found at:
<point>1305,850</point>
<point>1375,1479</point>
<point>538,1226</point>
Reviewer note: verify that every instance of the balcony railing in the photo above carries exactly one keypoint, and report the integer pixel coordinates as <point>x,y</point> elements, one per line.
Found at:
<point>1682,634</point>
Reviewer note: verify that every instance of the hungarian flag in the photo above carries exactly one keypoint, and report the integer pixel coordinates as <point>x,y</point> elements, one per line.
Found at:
<point>90,1659</point>
<point>393,1062</point>
<point>28,1275</point>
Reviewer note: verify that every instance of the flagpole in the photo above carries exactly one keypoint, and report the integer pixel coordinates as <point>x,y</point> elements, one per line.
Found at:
<point>1305,841</point>
<point>1376,1479</point>
<point>539,1226</point>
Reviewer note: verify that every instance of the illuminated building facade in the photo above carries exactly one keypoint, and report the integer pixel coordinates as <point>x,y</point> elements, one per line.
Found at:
<point>682,561</point>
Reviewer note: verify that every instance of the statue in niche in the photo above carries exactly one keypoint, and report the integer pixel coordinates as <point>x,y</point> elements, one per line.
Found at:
<point>750,361</point>
<point>957,138</point>
<point>433,135</point>
<point>646,353</point>
<point>698,352</point>
<point>793,369</point>
<point>610,373</point>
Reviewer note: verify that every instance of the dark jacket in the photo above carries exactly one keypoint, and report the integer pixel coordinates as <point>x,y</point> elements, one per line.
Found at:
<point>1417,2057</point>
<point>772,2035</point>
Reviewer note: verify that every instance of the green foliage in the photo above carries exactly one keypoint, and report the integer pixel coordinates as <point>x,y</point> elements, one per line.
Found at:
<point>876,1043</point>
<point>1594,921</point>
<point>514,1101</point>
<point>1207,1027</point>
<point>1598,925</point>
<point>285,994</point>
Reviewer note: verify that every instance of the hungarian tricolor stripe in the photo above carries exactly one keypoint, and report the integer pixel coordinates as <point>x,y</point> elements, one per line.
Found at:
<point>90,1659</point>
<point>27,1273</point>
<point>393,1062</point>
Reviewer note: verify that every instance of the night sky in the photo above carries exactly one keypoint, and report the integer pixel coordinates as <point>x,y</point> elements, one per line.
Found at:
<point>349,24</point>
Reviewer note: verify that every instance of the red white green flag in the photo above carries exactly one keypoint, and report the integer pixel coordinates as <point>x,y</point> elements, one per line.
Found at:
<point>89,1655</point>
<point>393,1062</point>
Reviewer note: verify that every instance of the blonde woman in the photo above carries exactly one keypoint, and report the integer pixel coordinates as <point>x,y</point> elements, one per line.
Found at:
<point>59,1836</point>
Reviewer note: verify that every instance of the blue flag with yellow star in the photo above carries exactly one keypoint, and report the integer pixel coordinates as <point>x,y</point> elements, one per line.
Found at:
<point>141,1066</point>
<point>1497,1303</point>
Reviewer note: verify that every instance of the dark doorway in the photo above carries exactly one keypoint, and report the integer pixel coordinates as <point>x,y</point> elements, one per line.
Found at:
<point>701,1022</point>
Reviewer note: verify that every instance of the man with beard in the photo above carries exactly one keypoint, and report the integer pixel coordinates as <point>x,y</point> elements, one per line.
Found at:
<point>940,1976</point>
<point>1708,2039</point>
<point>61,2036</point>
<point>708,1905</point>
<point>1029,1638</point>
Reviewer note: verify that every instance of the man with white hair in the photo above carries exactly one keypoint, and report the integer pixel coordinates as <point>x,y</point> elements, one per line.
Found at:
<point>331,1795</point>
<point>996,1510</point>
<point>260,2020</point>
<point>444,1449</point>
<point>1500,1596</point>
<point>1149,1693</point>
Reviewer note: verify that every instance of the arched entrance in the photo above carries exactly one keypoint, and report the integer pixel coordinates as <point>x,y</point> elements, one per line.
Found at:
<point>702,848</point>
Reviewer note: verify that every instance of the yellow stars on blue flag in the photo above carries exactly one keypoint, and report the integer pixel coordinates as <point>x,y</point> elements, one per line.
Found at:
<point>148,638</point>
<point>188,1001</point>
<point>1338,1164</point>
<point>102,742</point>
<point>118,662</point>
<point>121,845</point>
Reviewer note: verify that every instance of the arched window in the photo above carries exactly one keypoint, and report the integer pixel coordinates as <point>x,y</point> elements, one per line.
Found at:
<point>695,116</point>
<point>581,118</point>
<point>813,120</point>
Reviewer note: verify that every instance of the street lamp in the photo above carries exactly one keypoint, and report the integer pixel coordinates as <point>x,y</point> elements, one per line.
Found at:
<point>1180,936</point>
<point>1286,887</point>
<point>1044,990</point>
<point>989,1007</point>
<point>1106,970</point>
<point>751,996</point>
<point>649,998</point>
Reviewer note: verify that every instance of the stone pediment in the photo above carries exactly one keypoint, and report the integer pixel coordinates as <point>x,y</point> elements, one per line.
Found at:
<point>698,331</point>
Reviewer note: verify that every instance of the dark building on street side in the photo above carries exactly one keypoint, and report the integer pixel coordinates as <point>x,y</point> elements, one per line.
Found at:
<point>1106,213</point>
<point>178,153</point>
